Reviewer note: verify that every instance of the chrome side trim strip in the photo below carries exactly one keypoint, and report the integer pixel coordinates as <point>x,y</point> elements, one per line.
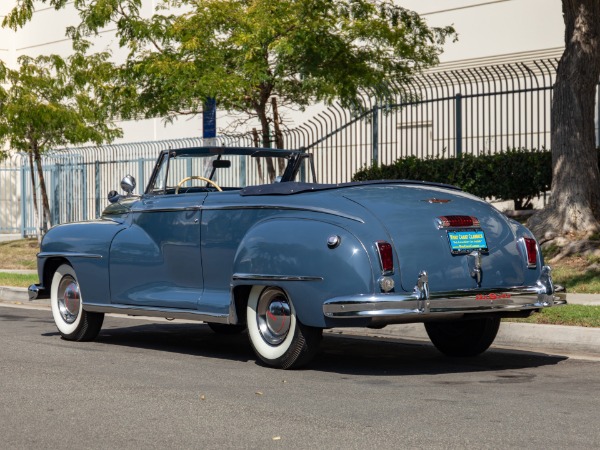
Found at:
<point>169,313</point>
<point>161,210</point>
<point>68,255</point>
<point>331,212</point>
<point>259,277</point>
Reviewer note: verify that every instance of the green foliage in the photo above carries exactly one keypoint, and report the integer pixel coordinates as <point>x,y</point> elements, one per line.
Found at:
<point>51,102</point>
<point>516,174</point>
<point>245,52</point>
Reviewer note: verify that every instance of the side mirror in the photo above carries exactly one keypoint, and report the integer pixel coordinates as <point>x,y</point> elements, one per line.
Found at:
<point>113,196</point>
<point>128,184</point>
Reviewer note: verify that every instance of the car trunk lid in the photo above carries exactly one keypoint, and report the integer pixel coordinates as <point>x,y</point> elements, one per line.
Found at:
<point>447,233</point>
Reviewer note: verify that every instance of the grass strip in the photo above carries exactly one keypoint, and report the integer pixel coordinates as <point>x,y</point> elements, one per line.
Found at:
<point>577,280</point>
<point>573,315</point>
<point>17,279</point>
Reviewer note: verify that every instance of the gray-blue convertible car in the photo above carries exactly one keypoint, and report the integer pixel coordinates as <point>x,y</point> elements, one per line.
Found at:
<point>234,238</point>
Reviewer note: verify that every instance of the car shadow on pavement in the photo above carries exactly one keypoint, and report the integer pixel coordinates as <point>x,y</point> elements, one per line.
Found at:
<point>186,338</point>
<point>382,356</point>
<point>338,354</point>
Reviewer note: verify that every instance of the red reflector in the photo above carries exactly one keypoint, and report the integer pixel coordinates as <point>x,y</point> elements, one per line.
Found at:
<point>386,257</point>
<point>458,221</point>
<point>531,247</point>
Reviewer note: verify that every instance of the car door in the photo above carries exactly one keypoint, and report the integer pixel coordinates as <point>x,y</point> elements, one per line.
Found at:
<point>156,262</point>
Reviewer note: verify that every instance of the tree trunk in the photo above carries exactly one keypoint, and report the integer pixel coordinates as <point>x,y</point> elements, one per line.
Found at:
<point>278,133</point>
<point>47,222</point>
<point>258,163</point>
<point>574,206</point>
<point>261,111</point>
<point>36,219</point>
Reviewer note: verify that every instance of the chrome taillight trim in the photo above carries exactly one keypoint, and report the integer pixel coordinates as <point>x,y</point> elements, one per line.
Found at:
<point>444,222</point>
<point>524,241</point>
<point>384,270</point>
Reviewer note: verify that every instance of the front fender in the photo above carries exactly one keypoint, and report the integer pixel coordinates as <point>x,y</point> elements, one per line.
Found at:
<point>293,254</point>
<point>85,246</point>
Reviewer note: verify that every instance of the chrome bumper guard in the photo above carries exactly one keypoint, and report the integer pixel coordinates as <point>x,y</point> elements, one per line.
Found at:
<point>37,292</point>
<point>421,304</point>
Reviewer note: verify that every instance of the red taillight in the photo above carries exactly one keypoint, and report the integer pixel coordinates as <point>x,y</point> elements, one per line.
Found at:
<point>458,221</point>
<point>386,256</point>
<point>531,248</point>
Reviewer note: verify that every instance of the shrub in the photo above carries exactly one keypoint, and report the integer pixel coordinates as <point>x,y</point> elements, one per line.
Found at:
<point>516,174</point>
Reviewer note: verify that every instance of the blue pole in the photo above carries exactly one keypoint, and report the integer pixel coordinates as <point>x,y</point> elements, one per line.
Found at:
<point>209,119</point>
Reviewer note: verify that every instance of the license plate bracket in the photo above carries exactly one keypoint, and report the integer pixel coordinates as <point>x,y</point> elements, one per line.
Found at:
<point>467,241</point>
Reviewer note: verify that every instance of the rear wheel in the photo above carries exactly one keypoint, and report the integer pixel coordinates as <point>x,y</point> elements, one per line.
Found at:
<point>72,321</point>
<point>465,337</point>
<point>276,334</point>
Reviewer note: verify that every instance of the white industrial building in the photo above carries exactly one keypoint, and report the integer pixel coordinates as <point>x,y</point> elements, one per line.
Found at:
<point>490,32</point>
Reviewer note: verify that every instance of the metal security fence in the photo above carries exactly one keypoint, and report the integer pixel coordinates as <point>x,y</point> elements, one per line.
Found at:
<point>78,181</point>
<point>439,114</point>
<point>12,178</point>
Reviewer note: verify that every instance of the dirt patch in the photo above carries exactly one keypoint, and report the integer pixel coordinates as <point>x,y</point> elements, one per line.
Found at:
<point>20,255</point>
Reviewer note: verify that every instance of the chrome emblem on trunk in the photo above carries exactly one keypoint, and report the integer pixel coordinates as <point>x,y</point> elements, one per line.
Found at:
<point>437,200</point>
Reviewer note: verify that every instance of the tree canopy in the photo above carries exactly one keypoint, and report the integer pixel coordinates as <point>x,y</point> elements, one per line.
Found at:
<point>245,53</point>
<point>51,102</point>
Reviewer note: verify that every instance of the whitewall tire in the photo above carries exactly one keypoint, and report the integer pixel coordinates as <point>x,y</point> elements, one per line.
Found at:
<point>277,336</point>
<point>72,321</point>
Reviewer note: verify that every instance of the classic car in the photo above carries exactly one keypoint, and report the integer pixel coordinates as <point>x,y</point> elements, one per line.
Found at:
<point>210,240</point>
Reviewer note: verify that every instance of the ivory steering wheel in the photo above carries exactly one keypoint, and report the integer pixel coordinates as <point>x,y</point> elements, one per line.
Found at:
<point>196,177</point>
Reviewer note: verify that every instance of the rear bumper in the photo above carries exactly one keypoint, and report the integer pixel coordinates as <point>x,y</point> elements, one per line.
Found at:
<point>422,305</point>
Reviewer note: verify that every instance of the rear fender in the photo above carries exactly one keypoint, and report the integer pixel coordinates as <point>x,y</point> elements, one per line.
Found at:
<point>294,254</point>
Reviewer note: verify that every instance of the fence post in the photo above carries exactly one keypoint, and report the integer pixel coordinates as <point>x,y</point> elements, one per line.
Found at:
<point>56,175</point>
<point>141,183</point>
<point>84,212</point>
<point>23,199</point>
<point>375,137</point>
<point>458,123</point>
<point>97,180</point>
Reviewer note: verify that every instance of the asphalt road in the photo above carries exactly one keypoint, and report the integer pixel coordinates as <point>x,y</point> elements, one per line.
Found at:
<point>153,384</point>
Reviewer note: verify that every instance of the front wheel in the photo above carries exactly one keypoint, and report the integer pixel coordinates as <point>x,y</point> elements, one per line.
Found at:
<point>464,337</point>
<point>277,336</point>
<point>72,321</point>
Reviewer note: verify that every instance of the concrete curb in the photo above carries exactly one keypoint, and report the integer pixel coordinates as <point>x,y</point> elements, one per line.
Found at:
<point>552,338</point>
<point>13,294</point>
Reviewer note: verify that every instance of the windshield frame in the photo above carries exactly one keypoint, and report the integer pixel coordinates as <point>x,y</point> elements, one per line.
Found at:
<point>294,161</point>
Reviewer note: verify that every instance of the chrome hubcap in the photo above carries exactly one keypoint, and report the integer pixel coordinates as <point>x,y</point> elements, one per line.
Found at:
<point>273,316</point>
<point>69,299</point>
